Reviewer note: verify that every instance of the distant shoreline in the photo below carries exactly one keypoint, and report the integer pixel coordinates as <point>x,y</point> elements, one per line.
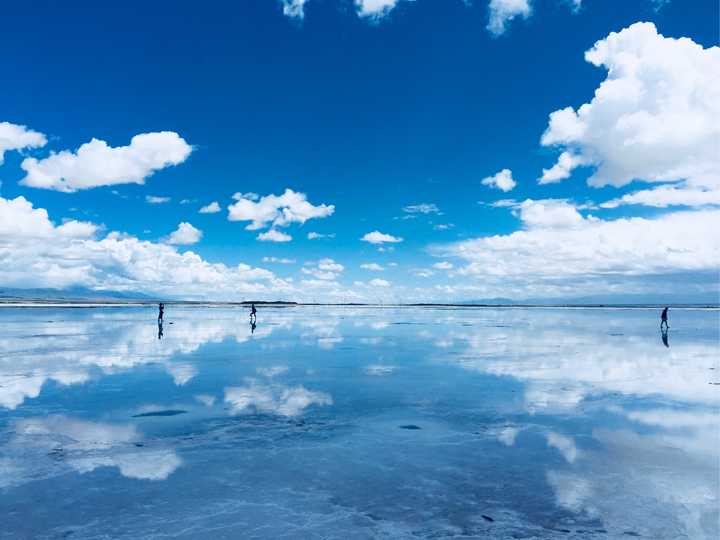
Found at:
<point>24,303</point>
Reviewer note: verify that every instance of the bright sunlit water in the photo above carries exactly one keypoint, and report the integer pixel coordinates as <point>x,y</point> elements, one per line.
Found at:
<point>358,423</point>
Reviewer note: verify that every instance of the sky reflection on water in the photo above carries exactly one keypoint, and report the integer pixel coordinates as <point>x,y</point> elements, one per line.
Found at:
<point>359,423</point>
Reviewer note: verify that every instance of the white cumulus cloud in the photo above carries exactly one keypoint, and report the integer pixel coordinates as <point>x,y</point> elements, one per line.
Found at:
<point>502,180</point>
<point>375,8</point>
<point>273,399</point>
<point>316,235</point>
<point>35,252</point>
<point>273,235</point>
<point>655,118</point>
<point>294,8</point>
<point>423,208</point>
<point>275,210</point>
<point>560,252</point>
<point>501,12</point>
<point>16,137</point>
<point>376,237</point>
<point>668,195</point>
<point>324,269</point>
<point>278,260</point>
<point>185,234</point>
<point>153,199</point>
<point>211,208</point>
<point>98,164</point>
<point>549,214</point>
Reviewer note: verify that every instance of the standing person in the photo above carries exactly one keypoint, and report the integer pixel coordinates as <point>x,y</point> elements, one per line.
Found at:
<point>253,312</point>
<point>664,318</point>
<point>161,311</point>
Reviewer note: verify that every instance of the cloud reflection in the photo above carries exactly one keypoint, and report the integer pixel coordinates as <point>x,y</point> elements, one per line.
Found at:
<point>109,341</point>
<point>46,446</point>
<point>273,399</point>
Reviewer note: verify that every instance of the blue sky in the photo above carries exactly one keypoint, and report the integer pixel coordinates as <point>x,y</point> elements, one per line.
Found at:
<point>372,114</point>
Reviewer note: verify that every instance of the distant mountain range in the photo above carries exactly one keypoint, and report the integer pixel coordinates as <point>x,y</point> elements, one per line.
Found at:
<point>607,299</point>
<point>68,295</point>
<point>83,294</point>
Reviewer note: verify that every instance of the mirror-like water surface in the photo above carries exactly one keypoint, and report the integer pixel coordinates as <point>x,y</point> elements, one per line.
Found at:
<point>358,423</point>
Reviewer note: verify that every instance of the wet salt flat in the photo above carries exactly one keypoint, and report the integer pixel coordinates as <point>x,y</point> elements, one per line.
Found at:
<point>358,423</point>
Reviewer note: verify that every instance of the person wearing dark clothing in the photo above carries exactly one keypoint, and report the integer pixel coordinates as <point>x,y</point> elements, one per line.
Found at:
<point>161,311</point>
<point>253,312</point>
<point>664,318</point>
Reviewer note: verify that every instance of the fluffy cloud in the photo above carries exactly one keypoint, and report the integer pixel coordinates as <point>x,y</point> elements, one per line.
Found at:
<point>373,284</point>
<point>422,272</point>
<point>152,199</point>
<point>294,8</point>
<point>275,210</point>
<point>443,265</point>
<point>35,252</point>
<point>15,137</point>
<point>278,260</point>
<point>502,180</point>
<point>376,237</point>
<point>97,164</point>
<point>375,267</point>
<point>563,444</point>
<point>375,8</point>
<point>20,222</point>
<point>372,9</point>
<point>424,208</point>
<point>324,269</point>
<point>559,251</point>
<point>212,208</point>
<point>549,214</point>
<point>90,445</point>
<point>655,118</point>
<point>185,234</point>
<point>562,168</point>
<point>273,235</point>
<point>112,344</point>
<point>503,11</point>
<point>668,195</point>
<point>316,236</point>
<point>273,399</point>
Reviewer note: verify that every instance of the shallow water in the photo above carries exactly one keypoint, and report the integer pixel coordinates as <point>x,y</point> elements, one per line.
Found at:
<point>358,423</point>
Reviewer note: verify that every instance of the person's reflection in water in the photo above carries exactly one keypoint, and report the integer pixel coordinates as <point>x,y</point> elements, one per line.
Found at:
<point>664,335</point>
<point>253,324</point>
<point>160,328</point>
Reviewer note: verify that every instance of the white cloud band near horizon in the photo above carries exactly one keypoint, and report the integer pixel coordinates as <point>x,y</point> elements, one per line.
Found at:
<point>560,249</point>
<point>34,252</point>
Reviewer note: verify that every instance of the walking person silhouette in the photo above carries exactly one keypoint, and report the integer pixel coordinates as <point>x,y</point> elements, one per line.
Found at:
<point>664,318</point>
<point>161,311</point>
<point>253,313</point>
